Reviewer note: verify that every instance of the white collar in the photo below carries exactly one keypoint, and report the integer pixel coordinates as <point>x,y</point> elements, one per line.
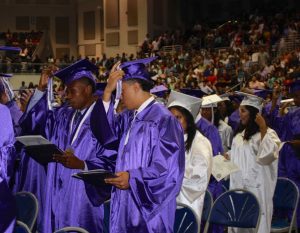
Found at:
<point>145,104</point>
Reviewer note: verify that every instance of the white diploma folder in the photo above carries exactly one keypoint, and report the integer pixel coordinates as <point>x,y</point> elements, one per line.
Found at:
<point>221,167</point>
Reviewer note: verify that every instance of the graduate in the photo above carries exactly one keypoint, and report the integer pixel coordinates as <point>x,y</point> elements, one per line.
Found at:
<point>7,157</point>
<point>7,98</point>
<point>151,157</point>
<point>289,130</point>
<point>234,118</point>
<point>255,150</point>
<point>210,111</point>
<point>65,202</point>
<point>198,152</point>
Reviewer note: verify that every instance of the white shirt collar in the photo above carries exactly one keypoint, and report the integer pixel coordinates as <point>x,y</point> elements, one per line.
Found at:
<point>145,104</point>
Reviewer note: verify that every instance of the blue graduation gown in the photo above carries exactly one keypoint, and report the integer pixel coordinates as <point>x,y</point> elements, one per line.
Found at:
<point>7,157</point>
<point>154,157</point>
<point>65,202</point>
<point>234,120</point>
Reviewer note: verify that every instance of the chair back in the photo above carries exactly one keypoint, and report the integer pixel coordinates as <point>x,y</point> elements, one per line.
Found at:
<point>208,202</point>
<point>27,208</point>
<point>185,220</point>
<point>285,201</point>
<point>21,228</point>
<point>72,229</point>
<point>286,195</point>
<point>235,208</point>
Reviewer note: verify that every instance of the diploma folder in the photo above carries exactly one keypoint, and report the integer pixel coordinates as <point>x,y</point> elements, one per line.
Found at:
<point>94,177</point>
<point>39,148</point>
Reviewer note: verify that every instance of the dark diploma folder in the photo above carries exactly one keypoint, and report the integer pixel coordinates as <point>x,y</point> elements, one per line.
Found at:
<point>39,148</point>
<point>94,177</point>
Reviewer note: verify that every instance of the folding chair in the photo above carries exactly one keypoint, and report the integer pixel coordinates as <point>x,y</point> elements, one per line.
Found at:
<point>185,220</point>
<point>285,201</point>
<point>21,228</point>
<point>71,229</point>
<point>208,202</point>
<point>27,208</point>
<point>235,208</point>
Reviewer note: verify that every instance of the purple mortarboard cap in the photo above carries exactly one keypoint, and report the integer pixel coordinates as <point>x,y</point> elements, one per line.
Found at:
<point>262,93</point>
<point>193,92</point>
<point>10,48</point>
<point>295,86</point>
<point>236,98</point>
<point>137,69</point>
<point>80,69</point>
<point>159,90</point>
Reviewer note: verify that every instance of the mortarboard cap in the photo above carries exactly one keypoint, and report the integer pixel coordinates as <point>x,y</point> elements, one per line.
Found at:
<point>295,86</point>
<point>262,93</point>
<point>251,100</point>
<point>10,48</point>
<point>137,69</point>
<point>211,101</point>
<point>79,69</point>
<point>159,91</point>
<point>188,102</point>
<point>193,92</point>
<point>236,98</point>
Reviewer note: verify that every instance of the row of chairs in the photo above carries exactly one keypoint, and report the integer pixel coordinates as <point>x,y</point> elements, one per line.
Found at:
<point>240,208</point>
<point>234,208</point>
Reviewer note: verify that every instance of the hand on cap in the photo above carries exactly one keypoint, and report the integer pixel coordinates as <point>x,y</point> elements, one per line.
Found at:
<point>46,73</point>
<point>260,121</point>
<point>24,99</point>
<point>114,76</point>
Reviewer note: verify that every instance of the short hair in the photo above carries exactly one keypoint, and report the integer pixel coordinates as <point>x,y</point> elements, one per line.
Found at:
<point>88,82</point>
<point>145,85</point>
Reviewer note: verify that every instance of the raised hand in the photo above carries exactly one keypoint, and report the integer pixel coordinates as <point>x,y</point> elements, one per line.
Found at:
<point>47,72</point>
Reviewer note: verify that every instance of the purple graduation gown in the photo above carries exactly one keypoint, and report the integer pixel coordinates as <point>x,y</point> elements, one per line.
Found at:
<point>7,157</point>
<point>234,120</point>
<point>289,160</point>
<point>16,114</point>
<point>154,157</point>
<point>65,201</point>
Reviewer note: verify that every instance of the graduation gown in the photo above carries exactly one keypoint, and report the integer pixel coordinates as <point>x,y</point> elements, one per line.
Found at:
<point>198,165</point>
<point>65,202</point>
<point>154,158</point>
<point>258,163</point>
<point>226,135</point>
<point>16,114</point>
<point>234,120</point>
<point>289,159</point>
<point>7,157</point>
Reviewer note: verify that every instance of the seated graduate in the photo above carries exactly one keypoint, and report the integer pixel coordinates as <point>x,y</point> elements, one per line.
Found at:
<point>65,202</point>
<point>255,150</point>
<point>198,152</point>
<point>7,157</point>
<point>150,162</point>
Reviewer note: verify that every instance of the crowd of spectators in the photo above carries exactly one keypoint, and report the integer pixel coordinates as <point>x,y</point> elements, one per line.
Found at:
<point>249,52</point>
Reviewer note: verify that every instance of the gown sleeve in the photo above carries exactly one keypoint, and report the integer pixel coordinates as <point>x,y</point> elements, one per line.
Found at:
<point>269,148</point>
<point>197,175</point>
<point>154,186</point>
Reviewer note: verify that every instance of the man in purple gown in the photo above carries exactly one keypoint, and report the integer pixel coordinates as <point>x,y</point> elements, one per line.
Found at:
<point>7,157</point>
<point>150,162</point>
<point>288,129</point>
<point>65,202</point>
